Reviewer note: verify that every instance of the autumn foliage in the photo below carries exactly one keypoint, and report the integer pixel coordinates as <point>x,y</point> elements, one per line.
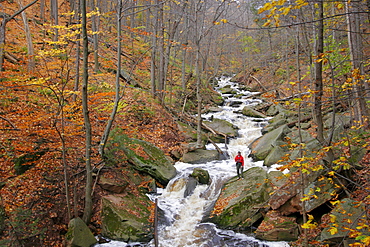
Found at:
<point>42,127</point>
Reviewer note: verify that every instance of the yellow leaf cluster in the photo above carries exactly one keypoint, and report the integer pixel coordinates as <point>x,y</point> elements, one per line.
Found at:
<point>310,224</point>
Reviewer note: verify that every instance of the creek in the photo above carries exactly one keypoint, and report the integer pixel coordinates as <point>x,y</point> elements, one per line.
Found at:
<point>182,212</point>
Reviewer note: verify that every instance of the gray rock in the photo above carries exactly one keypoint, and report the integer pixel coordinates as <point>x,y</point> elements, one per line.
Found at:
<point>127,217</point>
<point>249,112</point>
<point>347,213</point>
<point>200,156</point>
<point>152,161</point>
<point>222,126</point>
<point>276,227</point>
<point>214,109</point>
<point>274,156</point>
<point>261,147</point>
<point>274,110</point>
<point>201,175</point>
<point>241,201</point>
<point>190,186</point>
<point>78,234</point>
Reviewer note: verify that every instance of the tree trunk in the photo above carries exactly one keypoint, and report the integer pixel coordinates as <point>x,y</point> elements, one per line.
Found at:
<point>356,52</point>
<point>153,64</point>
<point>161,70</point>
<point>95,29</point>
<point>30,50</point>
<point>88,189</point>
<point>54,16</point>
<point>319,49</point>
<point>77,18</point>
<point>3,23</point>
<point>105,136</point>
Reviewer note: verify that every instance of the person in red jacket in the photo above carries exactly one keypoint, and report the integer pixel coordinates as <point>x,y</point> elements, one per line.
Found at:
<point>239,165</point>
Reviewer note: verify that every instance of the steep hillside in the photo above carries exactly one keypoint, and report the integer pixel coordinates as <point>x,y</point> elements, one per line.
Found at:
<point>42,131</point>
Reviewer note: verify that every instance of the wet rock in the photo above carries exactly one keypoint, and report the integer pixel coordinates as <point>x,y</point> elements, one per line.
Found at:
<point>201,175</point>
<point>200,156</point>
<point>240,202</point>
<point>227,90</point>
<point>276,227</point>
<point>249,112</point>
<point>215,109</point>
<point>190,186</point>
<point>223,126</point>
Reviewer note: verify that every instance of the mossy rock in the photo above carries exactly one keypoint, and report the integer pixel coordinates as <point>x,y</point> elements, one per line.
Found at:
<point>127,218</point>
<point>201,175</point>
<point>249,112</point>
<point>242,200</point>
<point>144,156</point>
<point>27,161</point>
<point>79,235</point>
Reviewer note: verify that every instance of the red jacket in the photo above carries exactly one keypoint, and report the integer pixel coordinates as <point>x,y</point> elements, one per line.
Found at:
<point>239,158</point>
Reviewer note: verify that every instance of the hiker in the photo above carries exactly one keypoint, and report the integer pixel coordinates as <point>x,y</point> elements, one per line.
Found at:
<point>239,165</point>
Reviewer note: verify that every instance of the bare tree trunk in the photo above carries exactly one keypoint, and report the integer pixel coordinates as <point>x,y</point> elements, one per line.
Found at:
<point>161,70</point>
<point>88,189</point>
<point>3,23</point>
<point>54,16</point>
<point>356,52</point>
<point>153,64</point>
<point>30,50</point>
<point>184,53</point>
<point>105,136</point>
<point>78,50</point>
<point>95,29</point>
<point>42,10</point>
<point>319,49</point>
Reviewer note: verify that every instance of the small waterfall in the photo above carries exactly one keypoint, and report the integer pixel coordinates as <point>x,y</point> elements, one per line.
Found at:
<point>184,204</point>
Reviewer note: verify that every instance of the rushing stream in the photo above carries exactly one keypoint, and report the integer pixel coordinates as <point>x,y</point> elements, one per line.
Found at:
<point>181,223</point>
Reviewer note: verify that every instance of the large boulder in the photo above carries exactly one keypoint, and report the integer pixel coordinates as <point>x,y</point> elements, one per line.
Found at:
<point>222,126</point>
<point>287,199</point>
<point>127,217</point>
<point>261,147</point>
<point>201,175</point>
<point>249,112</point>
<point>200,156</point>
<point>144,156</point>
<point>275,109</point>
<point>276,227</point>
<point>111,185</point>
<point>345,216</point>
<point>79,235</point>
<point>241,202</point>
<point>227,90</point>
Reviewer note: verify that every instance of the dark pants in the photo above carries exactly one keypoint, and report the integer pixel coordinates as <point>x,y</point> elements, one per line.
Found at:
<point>239,169</point>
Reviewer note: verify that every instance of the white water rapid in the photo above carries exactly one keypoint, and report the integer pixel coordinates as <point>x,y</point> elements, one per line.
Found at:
<point>182,212</point>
